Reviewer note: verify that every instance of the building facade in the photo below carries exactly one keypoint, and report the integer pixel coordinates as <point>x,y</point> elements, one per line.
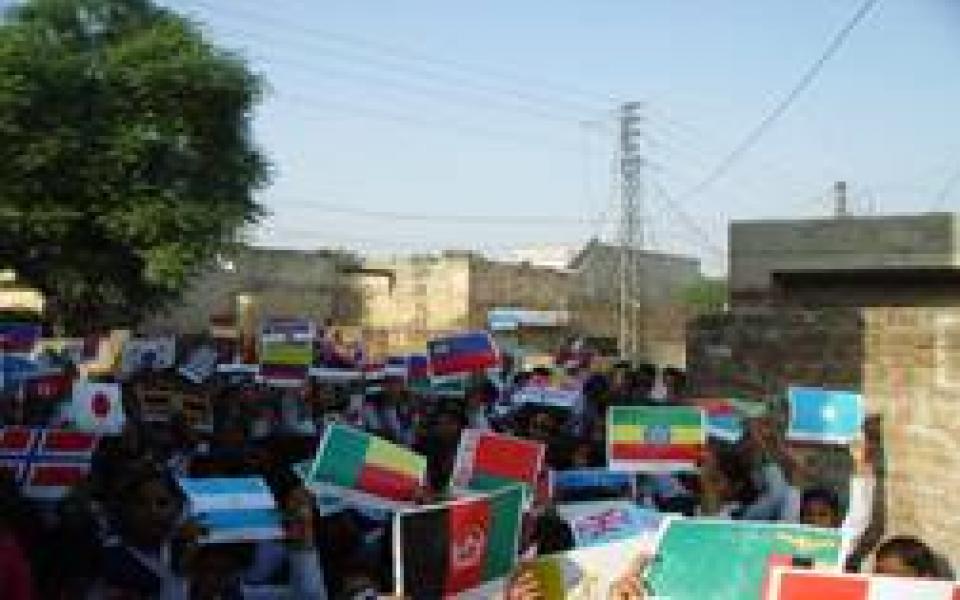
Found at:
<point>869,304</point>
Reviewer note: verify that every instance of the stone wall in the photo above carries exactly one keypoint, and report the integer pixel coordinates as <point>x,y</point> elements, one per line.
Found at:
<point>281,282</point>
<point>907,363</point>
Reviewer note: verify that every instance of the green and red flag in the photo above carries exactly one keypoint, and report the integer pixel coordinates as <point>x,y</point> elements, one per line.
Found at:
<point>444,550</point>
<point>354,460</point>
<point>488,461</point>
<point>655,438</point>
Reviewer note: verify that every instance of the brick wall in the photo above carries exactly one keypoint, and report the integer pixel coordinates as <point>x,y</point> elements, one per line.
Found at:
<point>905,360</point>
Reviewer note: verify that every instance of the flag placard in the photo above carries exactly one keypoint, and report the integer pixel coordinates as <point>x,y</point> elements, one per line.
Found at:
<point>233,509</point>
<point>148,354</point>
<point>200,366</point>
<point>588,485</point>
<point>655,438</point>
<point>597,523</point>
<point>462,353</point>
<point>488,461</point>
<point>19,337</point>
<point>824,416</point>
<point>444,550</point>
<point>796,584</point>
<point>46,463</point>
<point>355,460</point>
<point>728,560</point>
<point>724,421</point>
<point>286,351</point>
<point>97,407</point>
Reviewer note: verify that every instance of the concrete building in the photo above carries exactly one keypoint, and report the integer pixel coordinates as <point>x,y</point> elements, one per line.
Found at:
<point>658,316</point>
<point>416,297</point>
<point>319,284</point>
<point>854,260</point>
<point>863,303</point>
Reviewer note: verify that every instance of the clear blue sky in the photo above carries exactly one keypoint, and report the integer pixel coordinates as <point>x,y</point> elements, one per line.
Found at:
<point>454,108</point>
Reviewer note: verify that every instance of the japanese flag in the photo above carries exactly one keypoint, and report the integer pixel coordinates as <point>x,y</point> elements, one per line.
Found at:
<point>97,407</point>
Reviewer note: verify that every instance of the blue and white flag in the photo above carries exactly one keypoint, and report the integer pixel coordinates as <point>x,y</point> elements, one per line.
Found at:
<point>200,366</point>
<point>148,354</point>
<point>233,509</point>
<point>825,416</point>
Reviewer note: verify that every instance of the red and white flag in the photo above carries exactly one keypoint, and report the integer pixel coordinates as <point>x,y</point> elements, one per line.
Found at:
<point>792,584</point>
<point>46,463</point>
<point>97,407</point>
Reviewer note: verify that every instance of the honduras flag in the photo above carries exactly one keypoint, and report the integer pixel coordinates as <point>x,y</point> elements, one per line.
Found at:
<point>233,509</point>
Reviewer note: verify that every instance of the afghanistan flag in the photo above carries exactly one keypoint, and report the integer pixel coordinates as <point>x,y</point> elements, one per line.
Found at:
<point>814,585</point>
<point>489,461</point>
<point>443,550</point>
<point>355,460</point>
<point>655,438</point>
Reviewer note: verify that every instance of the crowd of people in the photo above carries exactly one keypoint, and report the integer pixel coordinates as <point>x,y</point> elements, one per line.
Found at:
<point>124,532</point>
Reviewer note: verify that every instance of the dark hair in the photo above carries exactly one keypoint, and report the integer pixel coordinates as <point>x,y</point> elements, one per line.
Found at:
<point>824,495</point>
<point>913,553</point>
<point>552,535</point>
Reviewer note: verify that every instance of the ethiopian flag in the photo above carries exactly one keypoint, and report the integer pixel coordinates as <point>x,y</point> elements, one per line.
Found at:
<point>443,550</point>
<point>355,460</point>
<point>655,438</point>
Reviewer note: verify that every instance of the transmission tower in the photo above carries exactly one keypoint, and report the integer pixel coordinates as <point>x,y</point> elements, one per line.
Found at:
<point>631,234</point>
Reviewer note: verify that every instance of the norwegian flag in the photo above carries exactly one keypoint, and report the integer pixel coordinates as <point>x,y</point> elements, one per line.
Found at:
<point>46,463</point>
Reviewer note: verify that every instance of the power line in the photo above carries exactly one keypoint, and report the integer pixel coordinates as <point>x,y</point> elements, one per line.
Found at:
<point>946,190</point>
<point>806,80</point>
<point>434,218</point>
<point>424,87</point>
<point>393,58</point>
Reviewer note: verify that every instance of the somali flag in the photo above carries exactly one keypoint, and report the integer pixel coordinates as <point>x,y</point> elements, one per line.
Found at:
<point>824,416</point>
<point>233,509</point>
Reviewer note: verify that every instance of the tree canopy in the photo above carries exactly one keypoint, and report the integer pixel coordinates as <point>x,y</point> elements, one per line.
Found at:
<point>126,155</point>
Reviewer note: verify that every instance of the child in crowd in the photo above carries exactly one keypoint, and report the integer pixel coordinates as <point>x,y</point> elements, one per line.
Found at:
<point>906,557</point>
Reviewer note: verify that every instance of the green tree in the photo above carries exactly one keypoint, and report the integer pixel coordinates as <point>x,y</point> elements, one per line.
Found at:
<point>126,155</point>
<point>707,295</point>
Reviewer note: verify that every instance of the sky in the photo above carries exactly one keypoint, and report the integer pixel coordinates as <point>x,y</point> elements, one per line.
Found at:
<point>412,125</point>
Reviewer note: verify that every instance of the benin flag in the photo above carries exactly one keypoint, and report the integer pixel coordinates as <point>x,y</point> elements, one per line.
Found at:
<point>443,550</point>
<point>655,438</point>
<point>352,459</point>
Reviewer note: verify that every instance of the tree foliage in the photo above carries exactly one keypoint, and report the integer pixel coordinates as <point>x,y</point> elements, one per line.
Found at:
<point>707,295</point>
<point>126,155</point>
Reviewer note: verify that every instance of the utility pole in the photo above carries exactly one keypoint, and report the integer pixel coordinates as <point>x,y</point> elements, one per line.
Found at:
<point>631,233</point>
<point>840,199</point>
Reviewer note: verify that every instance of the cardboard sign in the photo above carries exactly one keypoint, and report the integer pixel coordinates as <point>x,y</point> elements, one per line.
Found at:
<point>148,354</point>
<point>441,551</point>
<point>728,560</point>
<point>489,461</point>
<point>97,407</point>
<point>200,366</point>
<point>46,463</point>
<point>655,439</point>
<point>233,509</point>
<point>588,485</point>
<point>463,353</point>
<point>825,416</point>
<point>597,523</point>
<point>355,460</point>
<point>791,584</point>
